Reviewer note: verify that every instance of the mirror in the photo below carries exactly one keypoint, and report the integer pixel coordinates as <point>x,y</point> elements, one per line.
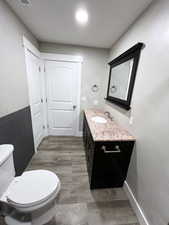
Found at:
<point>119,81</point>
<point>122,76</point>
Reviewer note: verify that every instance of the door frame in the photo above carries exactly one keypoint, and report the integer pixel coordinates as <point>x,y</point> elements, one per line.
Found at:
<point>74,59</point>
<point>28,46</point>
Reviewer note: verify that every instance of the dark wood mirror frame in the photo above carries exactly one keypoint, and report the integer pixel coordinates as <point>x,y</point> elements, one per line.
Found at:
<point>132,53</point>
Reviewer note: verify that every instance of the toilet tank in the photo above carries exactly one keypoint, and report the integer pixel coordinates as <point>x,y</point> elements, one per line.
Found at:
<point>7,170</point>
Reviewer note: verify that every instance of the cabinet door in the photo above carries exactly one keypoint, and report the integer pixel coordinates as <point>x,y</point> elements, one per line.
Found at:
<point>85,132</point>
<point>89,147</point>
<point>111,160</point>
<point>89,151</point>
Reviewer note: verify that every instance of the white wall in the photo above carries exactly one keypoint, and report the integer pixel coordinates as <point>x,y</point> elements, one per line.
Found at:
<point>94,70</point>
<point>148,174</point>
<point>13,83</point>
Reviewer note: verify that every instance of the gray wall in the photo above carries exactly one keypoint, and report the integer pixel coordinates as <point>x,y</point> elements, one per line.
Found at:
<point>94,70</point>
<point>148,174</point>
<point>13,83</point>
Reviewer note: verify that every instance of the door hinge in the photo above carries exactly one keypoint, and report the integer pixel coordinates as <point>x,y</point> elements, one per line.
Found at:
<point>41,100</point>
<point>39,69</point>
<point>46,100</point>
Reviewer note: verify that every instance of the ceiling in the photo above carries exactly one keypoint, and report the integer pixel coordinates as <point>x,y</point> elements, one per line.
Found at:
<point>53,20</point>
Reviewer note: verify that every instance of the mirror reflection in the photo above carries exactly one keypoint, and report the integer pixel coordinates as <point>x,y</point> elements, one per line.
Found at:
<point>120,80</point>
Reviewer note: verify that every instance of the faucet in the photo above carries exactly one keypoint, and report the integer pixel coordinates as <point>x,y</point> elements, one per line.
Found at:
<point>109,115</point>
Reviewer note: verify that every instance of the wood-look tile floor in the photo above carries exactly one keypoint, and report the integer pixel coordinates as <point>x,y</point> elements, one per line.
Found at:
<point>76,203</point>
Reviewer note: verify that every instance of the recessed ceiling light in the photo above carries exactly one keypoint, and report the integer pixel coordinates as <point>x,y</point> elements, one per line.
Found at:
<point>81,16</point>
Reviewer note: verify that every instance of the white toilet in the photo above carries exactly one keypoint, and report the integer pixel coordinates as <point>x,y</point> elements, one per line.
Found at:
<point>32,193</point>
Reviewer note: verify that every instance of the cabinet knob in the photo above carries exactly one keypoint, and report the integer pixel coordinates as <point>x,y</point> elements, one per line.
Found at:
<point>74,107</point>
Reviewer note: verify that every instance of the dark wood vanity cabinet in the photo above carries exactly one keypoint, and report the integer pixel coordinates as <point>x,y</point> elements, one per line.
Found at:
<point>107,161</point>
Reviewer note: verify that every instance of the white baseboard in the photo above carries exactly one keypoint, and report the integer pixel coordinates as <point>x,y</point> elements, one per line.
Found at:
<point>79,134</point>
<point>136,207</point>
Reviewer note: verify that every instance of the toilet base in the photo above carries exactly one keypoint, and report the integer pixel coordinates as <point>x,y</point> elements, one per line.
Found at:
<point>37,217</point>
<point>12,221</point>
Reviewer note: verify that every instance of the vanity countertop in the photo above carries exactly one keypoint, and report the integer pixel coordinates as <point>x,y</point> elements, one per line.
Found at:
<point>109,131</point>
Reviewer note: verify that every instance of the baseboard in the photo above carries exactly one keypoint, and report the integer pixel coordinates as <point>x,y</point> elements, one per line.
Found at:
<point>135,205</point>
<point>79,134</point>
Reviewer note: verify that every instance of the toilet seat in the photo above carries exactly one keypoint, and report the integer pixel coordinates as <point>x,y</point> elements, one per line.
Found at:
<point>33,188</point>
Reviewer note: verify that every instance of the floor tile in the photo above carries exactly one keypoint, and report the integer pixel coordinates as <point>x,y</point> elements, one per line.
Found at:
<point>108,194</point>
<point>110,213</point>
<point>72,214</point>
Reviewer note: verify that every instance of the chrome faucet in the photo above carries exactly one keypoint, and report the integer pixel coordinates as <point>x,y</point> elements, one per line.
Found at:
<point>108,115</point>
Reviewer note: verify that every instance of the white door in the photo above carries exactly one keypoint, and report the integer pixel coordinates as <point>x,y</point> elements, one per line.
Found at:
<point>62,97</point>
<point>34,74</point>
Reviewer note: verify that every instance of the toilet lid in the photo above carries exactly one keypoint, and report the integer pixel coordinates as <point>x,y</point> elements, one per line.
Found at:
<point>33,187</point>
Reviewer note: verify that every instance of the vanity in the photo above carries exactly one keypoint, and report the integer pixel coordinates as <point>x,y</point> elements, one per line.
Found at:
<point>108,149</point>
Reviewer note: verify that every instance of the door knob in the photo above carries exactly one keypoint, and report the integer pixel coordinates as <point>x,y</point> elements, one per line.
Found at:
<point>74,107</point>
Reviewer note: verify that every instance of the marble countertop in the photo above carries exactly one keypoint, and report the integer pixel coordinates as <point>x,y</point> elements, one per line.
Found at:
<point>109,131</point>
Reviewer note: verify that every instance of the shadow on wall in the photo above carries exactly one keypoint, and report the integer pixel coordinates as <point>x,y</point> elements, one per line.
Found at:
<point>134,167</point>
<point>119,109</point>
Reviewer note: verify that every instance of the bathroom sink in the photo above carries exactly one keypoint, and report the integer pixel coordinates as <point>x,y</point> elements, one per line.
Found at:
<point>99,119</point>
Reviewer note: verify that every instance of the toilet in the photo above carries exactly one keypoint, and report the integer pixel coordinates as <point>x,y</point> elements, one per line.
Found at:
<point>32,194</point>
